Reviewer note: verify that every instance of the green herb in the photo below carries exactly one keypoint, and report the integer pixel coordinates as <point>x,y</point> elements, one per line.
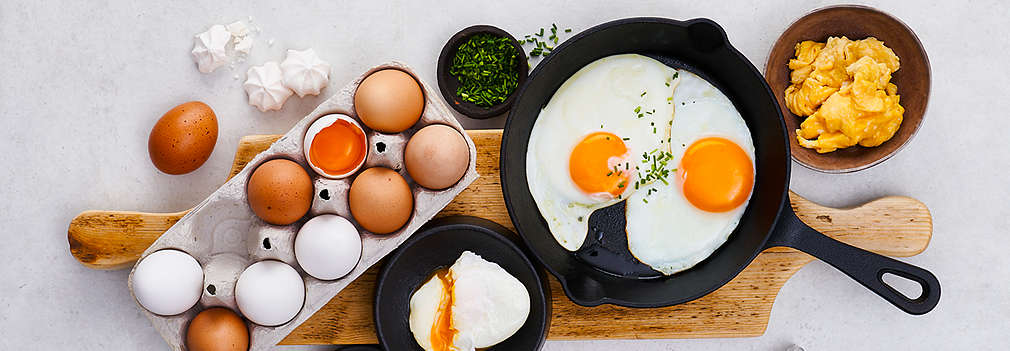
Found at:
<point>656,166</point>
<point>645,200</point>
<point>638,109</point>
<point>676,74</point>
<point>667,83</point>
<point>643,94</point>
<point>485,66</point>
<point>625,139</point>
<point>568,30</point>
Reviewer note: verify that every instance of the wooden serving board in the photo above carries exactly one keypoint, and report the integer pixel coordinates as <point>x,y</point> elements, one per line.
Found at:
<point>895,226</point>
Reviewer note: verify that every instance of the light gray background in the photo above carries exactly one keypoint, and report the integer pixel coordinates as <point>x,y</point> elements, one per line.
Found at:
<point>81,84</point>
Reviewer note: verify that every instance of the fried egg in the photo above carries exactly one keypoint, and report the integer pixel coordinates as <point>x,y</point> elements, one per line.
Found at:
<point>587,140</point>
<point>473,304</point>
<point>674,225</point>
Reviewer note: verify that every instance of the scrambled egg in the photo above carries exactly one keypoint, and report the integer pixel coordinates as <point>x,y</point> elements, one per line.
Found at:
<point>844,87</point>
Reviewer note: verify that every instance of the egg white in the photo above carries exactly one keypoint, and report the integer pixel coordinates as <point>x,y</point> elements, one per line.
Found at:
<point>667,232</point>
<point>602,96</point>
<point>489,304</point>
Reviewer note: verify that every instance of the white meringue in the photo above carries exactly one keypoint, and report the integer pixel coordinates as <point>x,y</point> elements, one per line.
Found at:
<point>305,73</point>
<point>265,88</point>
<point>209,48</point>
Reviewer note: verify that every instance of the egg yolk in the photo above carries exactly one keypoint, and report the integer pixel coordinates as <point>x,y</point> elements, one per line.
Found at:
<point>596,164</point>
<point>338,148</point>
<point>442,331</point>
<point>716,174</point>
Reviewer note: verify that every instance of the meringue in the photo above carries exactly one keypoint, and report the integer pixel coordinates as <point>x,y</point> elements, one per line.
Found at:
<point>305,73</point>
<point>209,48</point>
<point>265,88</point>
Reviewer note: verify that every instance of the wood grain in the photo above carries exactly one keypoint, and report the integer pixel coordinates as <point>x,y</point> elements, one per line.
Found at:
<point>897,226</point>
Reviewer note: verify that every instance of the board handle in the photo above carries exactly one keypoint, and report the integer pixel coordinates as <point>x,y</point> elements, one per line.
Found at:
<point>116,239</point>
<point>863,266</point>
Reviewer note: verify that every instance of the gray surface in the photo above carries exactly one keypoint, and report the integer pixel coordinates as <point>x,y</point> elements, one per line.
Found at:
<point>82,84</point>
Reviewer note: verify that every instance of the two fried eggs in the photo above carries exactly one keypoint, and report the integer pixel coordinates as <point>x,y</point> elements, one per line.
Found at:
<point>629,128</point>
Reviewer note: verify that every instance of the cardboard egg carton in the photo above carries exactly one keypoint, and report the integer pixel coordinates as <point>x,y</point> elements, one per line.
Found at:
<point>225,236</point>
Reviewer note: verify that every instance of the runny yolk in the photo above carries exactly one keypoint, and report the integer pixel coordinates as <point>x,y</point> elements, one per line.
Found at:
<point>716,174</point>
<point>442,331</point>
<point>595,164</point>
<point>338,148</point>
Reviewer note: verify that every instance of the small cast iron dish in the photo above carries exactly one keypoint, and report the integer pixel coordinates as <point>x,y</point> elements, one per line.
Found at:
<point>602,271</point>
<point>447,83</point>
<point>855,22</point>
<point>438,245</point>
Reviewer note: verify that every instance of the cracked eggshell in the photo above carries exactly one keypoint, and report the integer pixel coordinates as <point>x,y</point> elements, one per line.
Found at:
<point>346,158</point>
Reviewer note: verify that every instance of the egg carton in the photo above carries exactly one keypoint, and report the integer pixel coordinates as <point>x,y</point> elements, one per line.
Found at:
<point>225,236</point>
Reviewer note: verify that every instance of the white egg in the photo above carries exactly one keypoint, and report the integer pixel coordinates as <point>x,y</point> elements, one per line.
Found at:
<point>327,247</point>
<point>270,293</point>
<point>665,230</point>
<point>488,304</point>
<point>627,96</point>
<point>168,282</point>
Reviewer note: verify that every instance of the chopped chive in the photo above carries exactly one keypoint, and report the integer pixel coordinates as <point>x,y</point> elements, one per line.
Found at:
<point>645,200</point>
<point>638,109</point>
<point>667,83</point>
<point>643,94</point>
<point>568,30</point>
<point>676,74</point>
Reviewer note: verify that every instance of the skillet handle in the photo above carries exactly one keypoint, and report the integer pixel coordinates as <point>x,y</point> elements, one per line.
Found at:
<point>865,267</point>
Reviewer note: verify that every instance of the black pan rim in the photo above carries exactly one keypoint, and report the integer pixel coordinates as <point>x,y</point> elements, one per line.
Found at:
<point>565,283</point>
<point>492,231</point>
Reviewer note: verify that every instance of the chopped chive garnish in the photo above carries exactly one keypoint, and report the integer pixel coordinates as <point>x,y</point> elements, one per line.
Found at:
<point>485,67</point>
<point>645,200</point>
<point>676,74</point>
<point>625,139</point>
<point>643,94</point>
<point>609,173</point>
<point>638,109</point>
<point>667,83</point>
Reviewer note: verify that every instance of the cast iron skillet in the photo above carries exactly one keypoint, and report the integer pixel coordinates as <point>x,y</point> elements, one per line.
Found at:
<point>438,244</point>
<point>603,271</point>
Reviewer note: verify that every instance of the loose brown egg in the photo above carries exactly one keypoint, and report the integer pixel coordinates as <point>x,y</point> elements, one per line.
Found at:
<point>436,156</point>
<point>280,191</point>
<point>380,200</point>
<point>183,138</point>
<point>389,101</point>
<point>217,329</point>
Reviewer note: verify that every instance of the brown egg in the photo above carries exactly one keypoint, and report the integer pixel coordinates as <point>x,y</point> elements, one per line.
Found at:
<point>380,200</point>
<point>183,138</point>
<point>436,156</point>
<point>217,329</point>
<point>389,101</point>
<point>280,191</point>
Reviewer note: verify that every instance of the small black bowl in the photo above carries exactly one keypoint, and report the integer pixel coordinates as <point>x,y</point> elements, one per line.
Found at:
<point>438,245</point>
<point>448,83</point>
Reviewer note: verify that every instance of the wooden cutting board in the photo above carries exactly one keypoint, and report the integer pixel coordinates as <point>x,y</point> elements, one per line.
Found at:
<point>895,226</point>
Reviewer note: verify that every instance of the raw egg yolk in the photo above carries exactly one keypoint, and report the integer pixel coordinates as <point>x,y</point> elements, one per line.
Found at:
<point>442,331</point>
<point>338,148</point>
<point>716,174</point>
<point>595,164</point>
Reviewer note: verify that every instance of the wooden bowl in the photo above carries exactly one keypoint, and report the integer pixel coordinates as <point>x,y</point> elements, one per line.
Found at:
<point>855,22</point>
